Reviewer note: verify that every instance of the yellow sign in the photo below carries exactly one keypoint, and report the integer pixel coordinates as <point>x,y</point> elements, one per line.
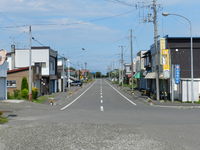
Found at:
<point>165,60</point>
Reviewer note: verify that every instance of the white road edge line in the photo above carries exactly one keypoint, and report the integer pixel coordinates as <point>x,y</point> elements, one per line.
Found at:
<point>101,96</point>
<point>77,98</point>
<point>101,101</point>
<point>101,108</point>
<point>121,94</point>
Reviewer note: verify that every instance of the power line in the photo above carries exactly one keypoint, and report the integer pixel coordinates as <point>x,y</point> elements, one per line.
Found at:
<point>121,2</point>
<point>37,41</point>
<point>68,24</point>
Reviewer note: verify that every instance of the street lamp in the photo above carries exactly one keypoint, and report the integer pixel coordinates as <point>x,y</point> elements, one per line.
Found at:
<point>191,46</point>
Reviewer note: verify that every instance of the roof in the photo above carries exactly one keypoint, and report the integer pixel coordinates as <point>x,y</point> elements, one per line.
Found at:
<point>9,53</point>
<point>137,75</point>
<point>168,37</point>
<point>40,47</point>
<point>146,54</point>
<point>150,75</point>
<point>18,70</point>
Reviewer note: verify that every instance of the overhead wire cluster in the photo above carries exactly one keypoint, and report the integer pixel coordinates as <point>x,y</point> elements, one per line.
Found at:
<point>67,24</point>
<point>78,22</point>
<point>122,3</point>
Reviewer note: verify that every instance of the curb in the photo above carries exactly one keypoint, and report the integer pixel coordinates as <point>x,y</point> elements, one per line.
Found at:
<point>178,107</point>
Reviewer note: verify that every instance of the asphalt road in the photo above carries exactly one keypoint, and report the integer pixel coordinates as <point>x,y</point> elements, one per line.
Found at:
<point>100,116</point>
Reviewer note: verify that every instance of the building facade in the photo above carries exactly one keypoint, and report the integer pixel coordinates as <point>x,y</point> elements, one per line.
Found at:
<point>15,76</point>
<point>174,51</point>
<point>140,70</point>
<point>44,55</point>
<point>3,81</point>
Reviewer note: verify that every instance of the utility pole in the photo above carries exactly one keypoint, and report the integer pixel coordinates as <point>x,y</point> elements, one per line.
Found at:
<point>131,40</point>
<point>119,72</point>
<point>122,65</point>
<point>68,74</point>
<point>64,74</point>
<point>85,70</point>
<point>30,64</point>
<point>154,19</point>
<point>155,22</point>
<point>79,69</point>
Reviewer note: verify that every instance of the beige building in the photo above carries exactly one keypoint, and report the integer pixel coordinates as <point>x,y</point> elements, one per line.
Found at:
<point>15,76</point>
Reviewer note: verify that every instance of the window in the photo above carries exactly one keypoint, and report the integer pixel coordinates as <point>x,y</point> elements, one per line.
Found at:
<point>11,83</point>
<point>52,66</point>
<point>37,70</point>
<point>43,64</point>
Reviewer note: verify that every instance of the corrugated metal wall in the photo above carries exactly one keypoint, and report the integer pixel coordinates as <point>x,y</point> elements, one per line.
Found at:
<point>3,84</point>
<point>3,88</point>
<point>186,90</point>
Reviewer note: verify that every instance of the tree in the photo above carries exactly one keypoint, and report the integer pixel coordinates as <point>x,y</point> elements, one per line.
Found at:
<point>71,68</point>
<point>98,74</point>
<point>24,84</point>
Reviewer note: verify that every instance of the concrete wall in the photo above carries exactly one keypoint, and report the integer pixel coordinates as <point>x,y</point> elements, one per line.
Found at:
<point>38,55</point>
<point>3,91</point>
<point>9,60</point>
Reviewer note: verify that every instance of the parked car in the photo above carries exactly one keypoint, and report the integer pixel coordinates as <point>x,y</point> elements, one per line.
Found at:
<point>76,83</point>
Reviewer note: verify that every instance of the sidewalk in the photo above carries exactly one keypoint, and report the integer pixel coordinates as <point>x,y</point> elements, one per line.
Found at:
<point>138,96</point>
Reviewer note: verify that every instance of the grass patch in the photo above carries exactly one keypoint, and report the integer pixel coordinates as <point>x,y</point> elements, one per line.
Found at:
<point>41,99</point>
<point>115,82</point>
<point>3,120</point>
<point>195,102</point>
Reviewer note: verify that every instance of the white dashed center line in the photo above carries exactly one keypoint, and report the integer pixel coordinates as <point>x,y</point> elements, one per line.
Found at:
<point>102,108</point>
<point>101,95</point>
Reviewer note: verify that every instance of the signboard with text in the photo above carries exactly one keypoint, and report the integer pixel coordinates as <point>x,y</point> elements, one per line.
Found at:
<point>177,72</point>
<point>165,59</point>
<point>166,63</point>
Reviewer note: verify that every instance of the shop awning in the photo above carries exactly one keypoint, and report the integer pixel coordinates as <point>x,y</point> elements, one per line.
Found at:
<point>137,75</point>
<point>150,75</point>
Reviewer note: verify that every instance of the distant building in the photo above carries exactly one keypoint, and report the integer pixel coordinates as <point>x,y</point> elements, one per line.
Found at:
<point>140,70</point>
<point>84,74</point>
<point>128,73</point>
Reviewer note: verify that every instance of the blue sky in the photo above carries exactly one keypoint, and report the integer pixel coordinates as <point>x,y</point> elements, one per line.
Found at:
<point>101,39</point>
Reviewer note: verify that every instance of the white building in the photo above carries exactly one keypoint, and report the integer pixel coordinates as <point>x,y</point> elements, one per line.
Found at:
<point>19,58</point>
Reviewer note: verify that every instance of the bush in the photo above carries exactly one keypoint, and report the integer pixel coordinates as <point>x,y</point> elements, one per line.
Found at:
<point>24,93</point>
<point>34,93</point>
<point>24,84</point>
<point>17,94</point>
<point>10,96</point>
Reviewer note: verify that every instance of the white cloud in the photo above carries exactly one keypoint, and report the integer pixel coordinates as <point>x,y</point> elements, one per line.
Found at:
<point>176,2</point>
<point>85,8</point>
